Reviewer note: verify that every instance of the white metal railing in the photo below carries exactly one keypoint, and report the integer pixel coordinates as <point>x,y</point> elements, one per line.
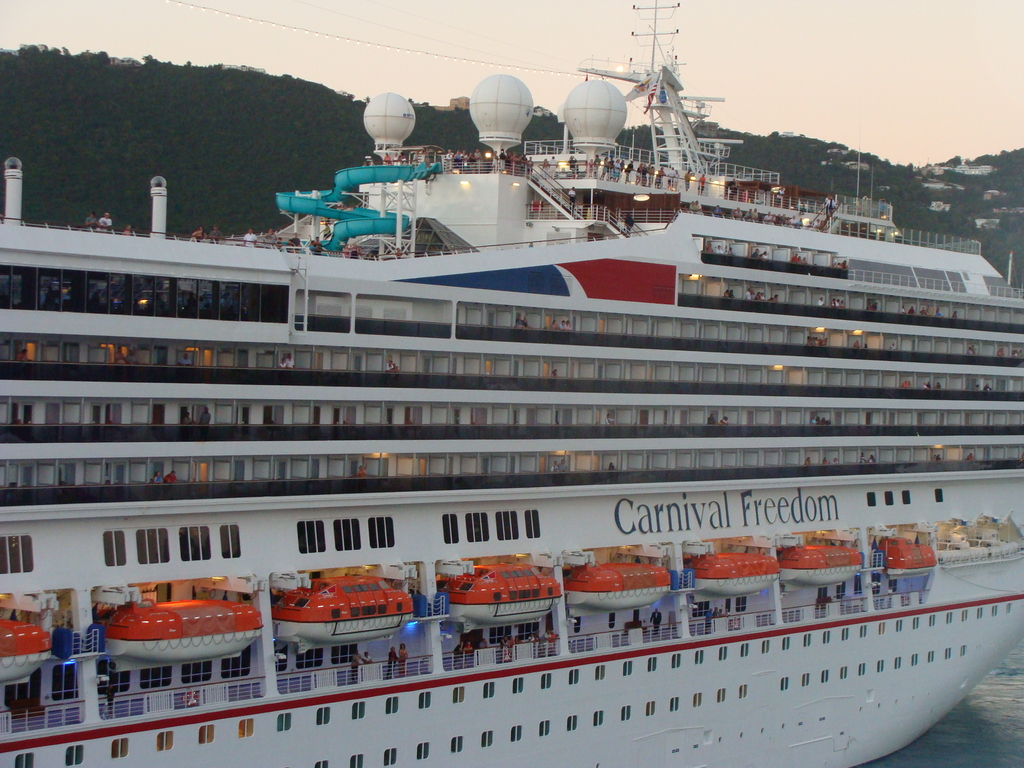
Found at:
<point>484,657</point>
<point>38,718</point>
<point>906,281</point>
<point>883,603</point>
<point>852,605</point>
<point>342,676</point>
<point>624,638</point>
<point>180,698</point>
<point>792,615</point>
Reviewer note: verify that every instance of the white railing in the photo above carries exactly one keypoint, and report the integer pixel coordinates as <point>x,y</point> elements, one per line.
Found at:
<point>883,603</point>
<point>792,615</point>
<point>485,657</point>
<point>905,281</point>
<point>38,718</point>
<point>853,605</point>
<point>180,698</point>
<point>342,676</point>
<point>624,638</point>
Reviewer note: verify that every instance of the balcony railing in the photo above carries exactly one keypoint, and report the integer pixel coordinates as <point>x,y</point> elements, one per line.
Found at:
<point>339,677</point>
<point>37,718</point>
<point>505,654</point>
<point>188,697</point>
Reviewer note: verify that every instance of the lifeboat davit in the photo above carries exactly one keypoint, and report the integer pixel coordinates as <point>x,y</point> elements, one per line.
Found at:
<point>507,593</point>
<point>614,587</point>
<point>904,558</point>
<point>341,610</point>
<point>818,565</point>
<point>726,574</point>
<point>23,649</point>
<point>181,631</point>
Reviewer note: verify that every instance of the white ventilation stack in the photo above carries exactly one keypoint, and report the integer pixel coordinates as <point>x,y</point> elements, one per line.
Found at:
<point>389,119</point>
<point>595,113</point>
<point>158,191</point>
<point>501,107</point>
<point>12,195</point>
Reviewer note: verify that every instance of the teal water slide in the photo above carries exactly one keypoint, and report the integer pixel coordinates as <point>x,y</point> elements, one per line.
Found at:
<point>355,222</point>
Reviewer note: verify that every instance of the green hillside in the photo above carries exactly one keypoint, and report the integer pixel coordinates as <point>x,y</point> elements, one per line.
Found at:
<point>92,134</point>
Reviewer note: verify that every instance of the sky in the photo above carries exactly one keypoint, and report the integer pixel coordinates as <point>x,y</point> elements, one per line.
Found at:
<point>913,81</point>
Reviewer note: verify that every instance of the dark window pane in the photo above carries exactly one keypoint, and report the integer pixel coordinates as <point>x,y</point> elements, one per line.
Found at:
<point>274,300</point>
<point>120,295</point>
<point>73,291</point>
<point>5,287</point>
<point>250,303</point>
<point>49,290</point>
<point>23,288</point>
<point>164,297</point>
<point>188,299</point>
<point>208,291</point>
<point>229,301</point>
<point>142,294</point>
<point>97,301</point>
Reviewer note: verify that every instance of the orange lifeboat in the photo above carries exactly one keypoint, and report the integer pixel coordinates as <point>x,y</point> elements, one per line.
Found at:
<point>23,649</point>
<point>726,574</point>
<point>341,610</point>
<point>614,587</point>
<point>507,593</point>
<point>818,565</point>
<point>904,558</point>
<point>181,631</point>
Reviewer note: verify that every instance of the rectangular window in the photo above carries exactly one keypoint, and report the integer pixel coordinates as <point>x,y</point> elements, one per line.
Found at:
<point>74,755</point>
<point>931,620</point>
<point>240,665</point>
<point>845,634</point>
<point>913,659</point>
<point>649,708</point>
<point>744,650</point>
<point>784,684</point>
<point>382,532</point>
<point>805,679</point>
<point>64,681</point>
<point>673,704</point>
<point>545,681</point>
<point>488,690</point>
<point>458,694</point>
<point>905,496</point>
<point>358,710</point>
<point>698,657</point>
<point>862,669</point>
<point>508,525</point>
<point>785,643</point>
<point>194,543</point>
<point>113,548</point>
<point>863,630</point>
<point>880,666</point>
<point>544,728</point>
<point>516,734</point>
<point>424,700</point>
<point>517,685</point>
<point>824,676</point>
<point>155,677</point>
<point>423,750</point>
<point>356,761</point>
<point>311,536</point>
<point>698,699</point>
<point>456,744</point>
<point>931,656</point>
<point>230,541</point>
<point>16,554</point>
<point>391,705</point>
<point>118,748</point>
<point>938,495</point>
<point>323,715</point>
<point>450,526</point>
<point>346,534</point>
<point>532,517</point>
<point>310,659</point>
<point>574,676</point>
<point>486,739</point>
<point>872,499</point>
<point>284,721</point>
<point>246,728</point>
<point>152,546</point>
<point>807,640</point>
<point>391,756</point>
<point>164,741</point>
<point>476,527</point>
<point>652,664</point>
<point>571,722</point>
<point>826,636</point>
<point>206,734</point>
<point>766,645</point>
<point>196,672</point>
<point>889,498</point>
<point>627,668</point>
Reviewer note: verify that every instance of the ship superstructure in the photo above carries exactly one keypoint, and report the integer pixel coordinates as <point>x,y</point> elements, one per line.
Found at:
<point>599,455</point>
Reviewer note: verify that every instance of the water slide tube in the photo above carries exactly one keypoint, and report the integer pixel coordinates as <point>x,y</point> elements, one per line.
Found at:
<point>357,221</point>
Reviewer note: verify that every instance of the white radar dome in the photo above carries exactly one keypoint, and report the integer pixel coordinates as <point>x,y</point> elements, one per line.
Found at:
<point>389,119</point>
<point>595,113</point>
<point>501,107</point>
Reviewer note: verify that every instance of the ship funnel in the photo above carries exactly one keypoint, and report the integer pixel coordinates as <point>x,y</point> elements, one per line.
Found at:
<point>158,191</point>
<point>12,175</point>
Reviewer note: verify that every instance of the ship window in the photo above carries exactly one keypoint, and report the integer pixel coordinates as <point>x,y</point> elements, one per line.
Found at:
<point>458,694</point>
<point>113,548</point>
<point>119,681</point>
<point>743,691</point>
<point>938,495</point>
<point>545,681</point>
<point>897,662</point>
<point>310,659</point>
<point>872,499</point>
<point>766,646</point>
<point>391,705</point>
<point>931,656</point>
<point>995,610</point>
<point>164,741</point>
<point>599,672</point>
<point>949,617</point>
<point>118,748</point>
<point>963,615</point>
<point>154,677</point>
<point>863,630</point>
<point>807,640</point>
<point>905,497</point>
<point>862,669</point>
<point>826,636</point>
<point>880,665</point>
<point>899,625</point>
<point>16,554</point>
<point>517,685</point>
<point>194,542</point>
<point>356,761</point>
<point>516,733</point>
<point>391,756</point>
<point>532,517</point>
<point>652,664</point>
<point>311,536</point>
<point>142,295</point>
<point>486,739</point>
<point>723,653</point>
<point>805,679</point>
<point>284,721</point>
<point>574,676</point>
<point>649,708</point>
<point>508,525</point>
<point>785,643</point>
<point>698,657</point>
<point>241,665</point>
<point>422,750</point>
<point>888,498</point>
<point>627,668</point>
<point>488,690</point>
<point>74,755</point>
<point>845,635</point>
<point>196,672</point>
<point>544,728</point>
<point>382,532</point>
<point>931,620</point>
<point>571,722</point>
<point>456,744</point>
<point>981,613</point>
<point>450,526</point>
<point>274,303</point>
<point>824,676</point>
<point>358,710</point>
<point>843,672</point>
<point>64,682</point>
<point>321,764</point>
<point>784,684</point>
<point>476,527</point>
<point>963,650</point>
<point>152,546</point>
<point>346,534</point>
<point>323,715</point>
<point>673,704</point>
<point>246,728</point>
<point>230,541</point>
<point>206,734</point>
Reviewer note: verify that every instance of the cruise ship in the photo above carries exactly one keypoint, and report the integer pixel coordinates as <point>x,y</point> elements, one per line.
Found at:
<point>591,455</point>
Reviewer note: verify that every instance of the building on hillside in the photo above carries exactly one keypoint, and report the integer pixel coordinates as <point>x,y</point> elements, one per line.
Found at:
<point>992,194</point>
<point>245,68</point>
<point>124,62</point>
<point>973,170</point>
<point>938,205</point>
<point>986,223</point>
<point>459,102</point>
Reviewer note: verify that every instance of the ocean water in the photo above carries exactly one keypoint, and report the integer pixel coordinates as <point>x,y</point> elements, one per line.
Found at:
<point>986,730</point>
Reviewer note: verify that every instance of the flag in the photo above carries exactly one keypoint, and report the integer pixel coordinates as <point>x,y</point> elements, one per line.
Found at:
<point>646,87</point>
